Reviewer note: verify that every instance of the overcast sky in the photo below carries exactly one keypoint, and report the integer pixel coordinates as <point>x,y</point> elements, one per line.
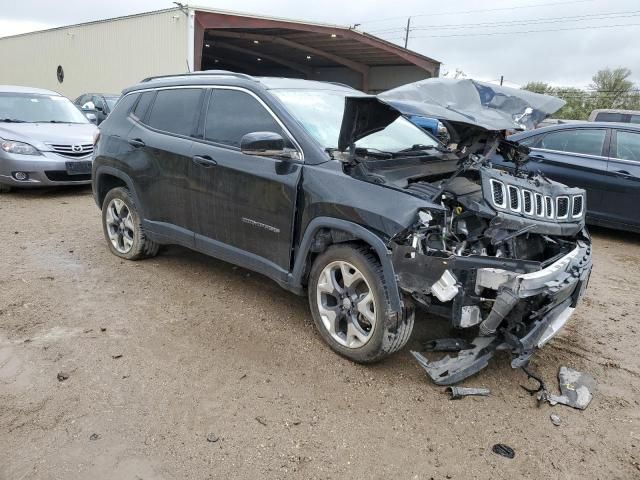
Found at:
<point>563,42</point>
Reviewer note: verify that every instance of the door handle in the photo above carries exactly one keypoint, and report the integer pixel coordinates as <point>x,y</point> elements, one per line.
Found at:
<point>204,161</point>
<point>136,142</point>
<point>622,173</point>
<point>537,156</point>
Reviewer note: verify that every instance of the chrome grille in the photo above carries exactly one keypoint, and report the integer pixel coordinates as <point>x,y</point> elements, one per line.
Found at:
<point>539,206</point>
<point>578,206</point>
<point>562,207</point>
<point>499,194</point>
<point>548,206</point>
<point>514,198</point>
<point>76,150</point>
<point>527,200</point>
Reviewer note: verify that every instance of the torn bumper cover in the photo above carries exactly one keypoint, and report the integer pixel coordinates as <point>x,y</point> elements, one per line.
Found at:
<point>529,309</point>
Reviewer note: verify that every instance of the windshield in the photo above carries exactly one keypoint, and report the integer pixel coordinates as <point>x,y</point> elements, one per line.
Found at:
<point>111,102</point>
<point>36,108</point>
<point>321,111</point>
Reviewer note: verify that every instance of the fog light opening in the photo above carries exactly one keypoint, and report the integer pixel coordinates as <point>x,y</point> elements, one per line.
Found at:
<point>21,176</point>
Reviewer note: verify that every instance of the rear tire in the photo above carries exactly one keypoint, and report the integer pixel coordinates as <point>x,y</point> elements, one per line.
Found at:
<point>122,227</point>
<point>349,304</point>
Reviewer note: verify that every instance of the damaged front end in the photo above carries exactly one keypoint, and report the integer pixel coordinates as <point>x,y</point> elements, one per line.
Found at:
<point>502,254</point>
<point>506,255</point>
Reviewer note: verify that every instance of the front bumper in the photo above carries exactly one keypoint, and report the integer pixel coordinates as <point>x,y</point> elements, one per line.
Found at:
<point>555,292</point>
<point>46,169</point>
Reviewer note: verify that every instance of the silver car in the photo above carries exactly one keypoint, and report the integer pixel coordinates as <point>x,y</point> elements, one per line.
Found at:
<point>44,139</point>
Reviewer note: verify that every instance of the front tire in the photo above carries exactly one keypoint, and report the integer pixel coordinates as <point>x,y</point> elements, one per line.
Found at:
<point>122,227</point>
<point>348,300</point>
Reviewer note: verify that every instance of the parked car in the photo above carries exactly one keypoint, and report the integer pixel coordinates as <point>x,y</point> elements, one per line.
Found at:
<point>601,157</point>
<point>44,139</point>
<point>614,115</point>
<point>98,104</point>
<point>431,125</point>
<point>334,194</point>
<point>556,121</point>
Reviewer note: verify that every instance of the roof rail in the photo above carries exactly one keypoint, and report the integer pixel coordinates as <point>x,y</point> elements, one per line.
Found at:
<point>200,73</point>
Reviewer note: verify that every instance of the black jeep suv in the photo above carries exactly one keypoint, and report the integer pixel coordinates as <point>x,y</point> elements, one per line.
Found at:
<point>334,193</point>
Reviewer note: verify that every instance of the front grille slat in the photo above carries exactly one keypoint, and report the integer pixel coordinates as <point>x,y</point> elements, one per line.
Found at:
<point>514,198</point>
<point>76,150</point>
<point>562,207</point>
<point>498,192</point>
<point>578,206</point>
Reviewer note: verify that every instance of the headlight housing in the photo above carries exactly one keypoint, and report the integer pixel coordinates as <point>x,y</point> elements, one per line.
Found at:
<point>21,148</point>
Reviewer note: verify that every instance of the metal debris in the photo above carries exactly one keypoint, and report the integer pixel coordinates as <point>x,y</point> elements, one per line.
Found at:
<point>117,356</point>
<point>555,419</point>
<point>261,421</point>
<point>447,345</point>
<point>575,387</point>
<point>460,392</point>
<point>94,436</point>
<point>62,376</point>
<point>503,450</point>
<point>213,438</point>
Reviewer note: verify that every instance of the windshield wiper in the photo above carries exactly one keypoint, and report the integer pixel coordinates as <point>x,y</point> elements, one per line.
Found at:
<point>418,148</point>
<point>52,121</point>
<point>11,120</point>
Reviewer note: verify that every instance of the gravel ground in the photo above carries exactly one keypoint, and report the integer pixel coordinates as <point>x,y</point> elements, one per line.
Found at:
<point>167,354</point>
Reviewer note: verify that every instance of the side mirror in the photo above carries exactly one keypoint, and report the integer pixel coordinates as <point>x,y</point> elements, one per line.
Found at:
<point>265,144</point>
<point>88,106</point>
<point>91,117</point>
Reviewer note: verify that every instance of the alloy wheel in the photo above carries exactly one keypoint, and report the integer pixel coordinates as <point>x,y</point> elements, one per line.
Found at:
<point>120,225</point>
<point>346,304</point>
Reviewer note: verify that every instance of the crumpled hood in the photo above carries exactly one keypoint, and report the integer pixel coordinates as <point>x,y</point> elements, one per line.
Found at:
<point>41,134</point>
<point>461,104</point>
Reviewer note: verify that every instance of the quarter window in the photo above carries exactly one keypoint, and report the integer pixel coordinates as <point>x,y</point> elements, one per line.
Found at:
<point>584,141</point>
<point>627,145</point>
<point>176,110</point>
<point>233,114</point>
<point>634,119</point>
<point>143,104</point>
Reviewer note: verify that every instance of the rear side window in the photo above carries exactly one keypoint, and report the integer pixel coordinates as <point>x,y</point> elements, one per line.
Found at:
<point>143,105</point>
<point>584,141</point>
<point>123,107</point>
<point>176,110</point>
<point>627,145</point>
<point>233,114</point>
<point>610,117</point>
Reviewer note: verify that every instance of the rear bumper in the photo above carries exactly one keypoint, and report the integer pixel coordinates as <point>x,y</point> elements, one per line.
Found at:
<point>47,169</point>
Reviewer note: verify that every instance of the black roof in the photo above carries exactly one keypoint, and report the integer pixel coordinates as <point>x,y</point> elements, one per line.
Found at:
<point>224,77</point>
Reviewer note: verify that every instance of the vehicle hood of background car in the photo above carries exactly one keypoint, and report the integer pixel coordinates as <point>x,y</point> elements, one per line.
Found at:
<point>464,106</point>
<point>41,135</point>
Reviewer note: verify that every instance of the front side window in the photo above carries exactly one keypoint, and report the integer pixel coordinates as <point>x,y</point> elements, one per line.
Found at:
<point>176,110</point>
<point>627,145</point>
<point>634,119</point>
<point>232,114</point>
<point>38,108</point>
<point>529,141</point>
<point>584,141</point>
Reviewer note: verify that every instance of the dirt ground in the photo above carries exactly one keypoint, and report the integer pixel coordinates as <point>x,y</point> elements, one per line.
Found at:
<point>164,352</point>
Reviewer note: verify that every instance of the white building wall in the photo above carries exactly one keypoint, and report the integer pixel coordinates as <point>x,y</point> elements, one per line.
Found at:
<point>104,56</point>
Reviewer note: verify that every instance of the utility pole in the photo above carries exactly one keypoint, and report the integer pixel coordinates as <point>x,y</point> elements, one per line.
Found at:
<point>406,33</point>
<point>501,78</point>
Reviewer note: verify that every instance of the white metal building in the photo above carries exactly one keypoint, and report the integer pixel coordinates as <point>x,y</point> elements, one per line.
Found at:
<point>108,55</point>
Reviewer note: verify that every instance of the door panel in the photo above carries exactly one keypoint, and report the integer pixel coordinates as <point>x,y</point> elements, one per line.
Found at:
<point>623,196</point>
<point>242,201</point>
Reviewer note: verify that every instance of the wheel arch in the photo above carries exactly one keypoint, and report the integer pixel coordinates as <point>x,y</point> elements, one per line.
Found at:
<point>354,232</point>
<point>107,178</point>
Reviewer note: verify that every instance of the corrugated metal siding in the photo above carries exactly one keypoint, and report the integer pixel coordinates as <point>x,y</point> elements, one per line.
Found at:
<point>98,57</point>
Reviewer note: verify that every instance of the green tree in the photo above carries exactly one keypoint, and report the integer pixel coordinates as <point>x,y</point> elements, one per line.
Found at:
<point>539,87</point>
<point>611,88</point>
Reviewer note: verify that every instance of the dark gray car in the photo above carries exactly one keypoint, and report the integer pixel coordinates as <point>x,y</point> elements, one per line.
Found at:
<point>601,157</point>
<point>98,104</point>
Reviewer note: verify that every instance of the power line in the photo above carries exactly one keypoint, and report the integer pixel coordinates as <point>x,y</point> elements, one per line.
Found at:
<point>528,31</point>
<point>576,18</point>
<point>465,12</point>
